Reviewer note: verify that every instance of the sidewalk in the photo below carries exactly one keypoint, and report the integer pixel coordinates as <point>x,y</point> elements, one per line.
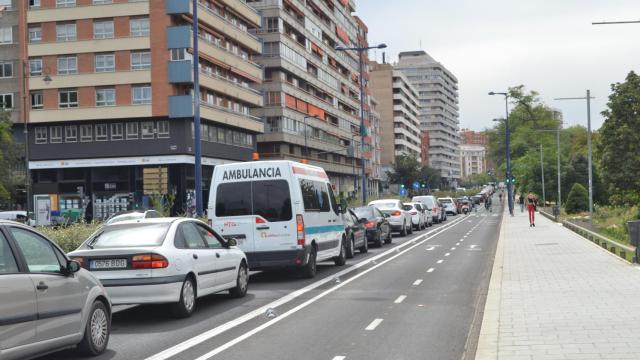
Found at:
<point>555,295</point>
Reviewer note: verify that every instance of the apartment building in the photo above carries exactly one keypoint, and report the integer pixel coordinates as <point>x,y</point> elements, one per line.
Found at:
<point>114,123</point>
<point>424,149</point>
<point>473,160</point>
<point>438,93</point>
<point>470,137</point>
<point>399,112</point>
<point>312,91</point>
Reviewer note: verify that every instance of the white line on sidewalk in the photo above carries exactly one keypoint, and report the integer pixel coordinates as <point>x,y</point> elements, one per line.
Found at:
<point>400,299</point>
<point>430,270</point>
<point>417,282</point>
<point>439,261</point>
<point>374,324</point>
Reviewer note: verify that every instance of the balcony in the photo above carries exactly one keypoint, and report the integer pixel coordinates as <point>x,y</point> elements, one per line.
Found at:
<point>181,106</point>
<point>180,72</point>
<point>207,16</point>
<point>232,89</point>
<point>132,8</point>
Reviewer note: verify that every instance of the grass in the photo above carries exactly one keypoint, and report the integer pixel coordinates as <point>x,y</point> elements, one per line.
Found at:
<point>608,221</point>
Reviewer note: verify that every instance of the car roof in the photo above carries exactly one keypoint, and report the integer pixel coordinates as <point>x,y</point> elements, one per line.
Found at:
<point>10,222</point>
<point>159,220</point>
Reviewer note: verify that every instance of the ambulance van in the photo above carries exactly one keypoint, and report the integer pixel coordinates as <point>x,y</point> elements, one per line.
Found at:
<point>281,213</point>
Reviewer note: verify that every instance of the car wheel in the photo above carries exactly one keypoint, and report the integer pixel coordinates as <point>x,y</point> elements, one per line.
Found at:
<point>404,230</point>
<point>309,270</point>
<point>365,247</point>
<point>351,249</point>
<point>97,330</point>
<point>184,308</point>
<point>389,238</point>
<point>410,228</point>
<point>379,240</point>
<point>242,282</point>
<point>341,259</point>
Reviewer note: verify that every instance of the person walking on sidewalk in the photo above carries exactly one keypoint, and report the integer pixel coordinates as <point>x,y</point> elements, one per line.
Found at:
<point>521,202</point>
<point>531,207</point>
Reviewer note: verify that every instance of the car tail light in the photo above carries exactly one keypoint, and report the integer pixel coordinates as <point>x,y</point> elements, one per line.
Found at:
<point>370,224</point>
<point>80,260</point>
<point>149,261</point>
<point>396,213</point>
<point>414,213</point>
<point>260,220</point>
<point>300,229</point>
<point>434,210</point>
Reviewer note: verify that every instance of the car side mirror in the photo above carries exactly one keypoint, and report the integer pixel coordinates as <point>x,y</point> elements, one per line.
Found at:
<point>232,242</point>
<point>73,266</point>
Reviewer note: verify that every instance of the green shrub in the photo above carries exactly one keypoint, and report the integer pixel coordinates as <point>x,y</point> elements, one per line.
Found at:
<point>578,199</point>
<point>70,237</point>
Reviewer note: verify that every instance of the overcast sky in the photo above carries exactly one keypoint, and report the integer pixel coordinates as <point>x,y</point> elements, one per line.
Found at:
<point>547,45</point>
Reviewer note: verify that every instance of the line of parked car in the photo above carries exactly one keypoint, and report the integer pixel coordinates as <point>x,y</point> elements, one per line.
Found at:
<point>262,215</point>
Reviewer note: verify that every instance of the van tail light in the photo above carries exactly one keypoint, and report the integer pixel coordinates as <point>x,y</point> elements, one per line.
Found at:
<point>414,213</point>
<point>149,261</point>
<point>300,229</point>
<point>396,213</point>
<point>80,260</point>
<point>434,211</point>
<point>260,220</point>
<point>370,224</point>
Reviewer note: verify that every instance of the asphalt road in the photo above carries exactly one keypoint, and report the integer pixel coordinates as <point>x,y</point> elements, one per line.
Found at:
<point>418,298</point>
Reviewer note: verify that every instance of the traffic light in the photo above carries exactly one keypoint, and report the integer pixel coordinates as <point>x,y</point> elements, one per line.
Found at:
<point>402,186</point>
<point>423,185</point>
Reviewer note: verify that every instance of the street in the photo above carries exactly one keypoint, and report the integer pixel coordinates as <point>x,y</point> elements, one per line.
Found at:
<point>420,298</point>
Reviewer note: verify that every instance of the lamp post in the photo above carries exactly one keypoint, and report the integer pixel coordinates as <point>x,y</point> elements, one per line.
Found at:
<point>508,150</point>
<point>590,151</point>
<point>196,112</point>
<point>557,131</point>
<point>360,51</point>
<point>544,197</point>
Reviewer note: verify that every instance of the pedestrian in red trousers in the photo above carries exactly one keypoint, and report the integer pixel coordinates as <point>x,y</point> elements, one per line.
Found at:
<point>531,207</point>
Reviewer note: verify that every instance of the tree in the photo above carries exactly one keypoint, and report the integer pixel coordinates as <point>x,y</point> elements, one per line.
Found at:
<point>406,170</point>
<point>475,180</point>
<point>578,199</point>
<point>619,142</point>
<point>431,177</point>
<point>8,160</point>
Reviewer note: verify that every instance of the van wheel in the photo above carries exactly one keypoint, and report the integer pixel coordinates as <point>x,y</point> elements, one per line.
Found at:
<point>351,249</point>
<point>341,259</point>
<point>184,308</point>
<point>404,230</point>
<point>309,271</point>
<point>96,332</point>
<point>365,247</point>
<point>242,282</point>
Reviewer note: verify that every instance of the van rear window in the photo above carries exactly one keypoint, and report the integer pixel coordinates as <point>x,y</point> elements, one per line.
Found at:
<point>315,196</point>
<point>270,199</point>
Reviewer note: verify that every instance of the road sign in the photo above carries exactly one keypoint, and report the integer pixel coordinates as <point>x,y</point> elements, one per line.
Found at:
<point>416,185</point>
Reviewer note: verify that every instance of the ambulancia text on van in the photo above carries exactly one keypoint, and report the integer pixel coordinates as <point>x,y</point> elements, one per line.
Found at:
<point>281,213</point>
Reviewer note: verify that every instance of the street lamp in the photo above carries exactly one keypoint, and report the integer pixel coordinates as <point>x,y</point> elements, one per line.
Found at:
<point>557,131</point>
<point>507,150</point>
<point>590,157</point>
<point>196,112</point>
<point>360,51</point>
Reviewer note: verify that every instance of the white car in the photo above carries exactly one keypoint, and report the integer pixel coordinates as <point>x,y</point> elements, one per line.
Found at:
<point>449,205</point>
<point>164,260</point>
<point>133,215</point>
<point>420,219</point>
<point>399,218</point>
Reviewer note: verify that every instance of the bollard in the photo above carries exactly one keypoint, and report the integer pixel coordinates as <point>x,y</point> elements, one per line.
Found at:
<point>634,232</point>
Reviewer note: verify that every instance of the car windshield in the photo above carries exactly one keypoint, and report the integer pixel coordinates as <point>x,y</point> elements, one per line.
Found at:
<point>125,217</point>
<point>129,235</point>
<point>364,212</point>
<point>389,205</point>
<point>445,201</point>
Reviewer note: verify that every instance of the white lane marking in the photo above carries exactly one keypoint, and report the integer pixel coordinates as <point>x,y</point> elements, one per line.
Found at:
<point>447,254</point>
<point>213,332</point>
<point>417,282</point>
<point>453,248</point>
<point>339,357</point>
<point>457,244</point>
<point>400,299</point>
<point>439,261</point>
<point>430,248</point>
<point>374,324</point>
<point>472,246</point>
<point>430,270</point>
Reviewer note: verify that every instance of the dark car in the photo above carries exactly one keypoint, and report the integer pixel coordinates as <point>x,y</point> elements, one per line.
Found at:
<point>355,230</point>
<point>476,199</point>
<point>376,225</point>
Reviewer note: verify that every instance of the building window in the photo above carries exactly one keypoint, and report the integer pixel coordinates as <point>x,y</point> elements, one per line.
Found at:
<point>6,101</point>
<point>147,128</point>
<point>67,65</point>
<point>140,60</point>
<point>139,27</point>
<point>86,133</point>
<point>65,3</point>
<point>102,2</point>
<point>66,32</point>
<point>105,62</point>
<point>34,3</point>
<point>163,130</point>
<point>6,70</point>
<point>141,94</point>
<point>70,134</point>
<point>117,132</point>
<point>41,135</point>
<point>103,29</point>
<point>35,67</point>
<point>37,100</point>
<point>132,131</point>
<point>35,34</point>
<point>180,54</point>
<point>68,98</point>
<point>105,97</point>
<point>56,134</point>
<point>101,132</point>
<point>6,35</point>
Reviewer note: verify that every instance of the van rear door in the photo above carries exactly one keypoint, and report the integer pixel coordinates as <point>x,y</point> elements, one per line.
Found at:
<point>233,216</point>
<point>275,228</point>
